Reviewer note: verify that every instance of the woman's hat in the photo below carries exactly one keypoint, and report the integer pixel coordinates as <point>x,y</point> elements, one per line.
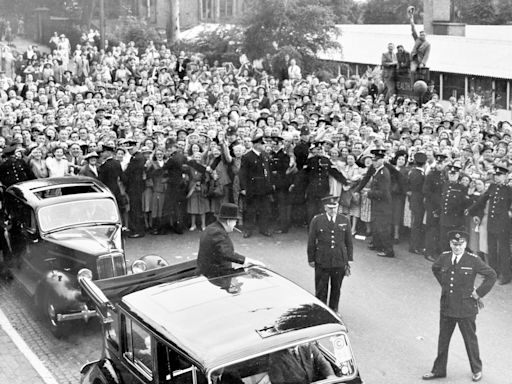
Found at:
<point>228,211</point>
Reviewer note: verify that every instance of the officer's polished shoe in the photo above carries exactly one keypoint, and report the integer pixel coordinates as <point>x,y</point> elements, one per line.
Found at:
<point>432,376</point>
<point>266,233</point>
<point>477,376</point>
<point>373,248</point>
<point>430,258</point>
<point>503,281</point>
<point>384,254</point>
<point>247,234</point>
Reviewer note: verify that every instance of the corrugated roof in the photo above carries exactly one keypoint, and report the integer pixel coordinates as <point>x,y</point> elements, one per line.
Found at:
<point>484,51</point>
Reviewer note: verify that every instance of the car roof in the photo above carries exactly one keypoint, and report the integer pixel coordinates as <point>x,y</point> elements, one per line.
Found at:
<point>28,190</point>
<point>217,321</point>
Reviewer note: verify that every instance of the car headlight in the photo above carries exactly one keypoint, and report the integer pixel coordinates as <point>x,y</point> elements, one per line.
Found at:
<point>139,266</point>
<point>85,274</point>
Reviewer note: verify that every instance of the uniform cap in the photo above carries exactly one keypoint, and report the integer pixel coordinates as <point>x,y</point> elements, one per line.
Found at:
<point>330,200</point>
<point>378,153</point>
<point>454,168</point>
<point>458,236</point>
<point>498,170</point>
<point>440,157</point>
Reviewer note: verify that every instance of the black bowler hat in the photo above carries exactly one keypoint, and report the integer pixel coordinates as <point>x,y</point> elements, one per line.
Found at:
<point>304,130</point>
<point>107,147</point>
<point>458,236</point>
<point>330,200</point>
<point>420,158</point>
<point>453,168</point>
<point>228,211</point>
<point>378,153</point>
<point>498,170</point>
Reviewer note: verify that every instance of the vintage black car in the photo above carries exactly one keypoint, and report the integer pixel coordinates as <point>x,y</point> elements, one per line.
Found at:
<point>57,227</point>
<point>168,325</point>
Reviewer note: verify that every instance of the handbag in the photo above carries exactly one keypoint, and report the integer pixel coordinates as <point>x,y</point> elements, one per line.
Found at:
<point>345,198</point>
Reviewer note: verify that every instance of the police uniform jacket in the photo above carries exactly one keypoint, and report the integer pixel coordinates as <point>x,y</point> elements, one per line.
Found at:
<point>432,190</point>
<point>216,251</point>
<point>500,200</point>
<point>13,171</point>
<point>255,174</point>
<point>458,281</point>
<point>317,172</point>
<point>330,244</point>
<point>133,175</point>
<point>454,200</point>
<point>279,164</point>
<point>380,192</point>
<point>415,181</point>
<point>109,173</point>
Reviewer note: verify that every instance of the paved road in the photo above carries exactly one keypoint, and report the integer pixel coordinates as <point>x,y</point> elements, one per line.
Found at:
<point>390,307</point>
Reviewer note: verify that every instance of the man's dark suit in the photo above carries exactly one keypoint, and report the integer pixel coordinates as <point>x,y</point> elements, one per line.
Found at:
<point>255,181</point>
<point>381,211</point>
<point>499,198</point>
<point>279,164</point>
<point>432,190</point>
<point>389,64</point>
<point>415,182</point>
<point>134,182</point>
<point>176,191</point>
<point>109,174</point>
<point>216,252</point>
<point>454,200</point>
<point>457,306</point>
<point>305,366</point>
<point>330,248</point>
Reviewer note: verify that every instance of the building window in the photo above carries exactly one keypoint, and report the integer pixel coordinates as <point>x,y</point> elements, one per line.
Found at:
<point>453,85</point>
<point>481,87</point>
<point>501,94</point>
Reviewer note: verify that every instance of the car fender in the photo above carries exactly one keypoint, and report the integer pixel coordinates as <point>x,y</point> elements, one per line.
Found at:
<point>101,370</point>
<point>62,287</point>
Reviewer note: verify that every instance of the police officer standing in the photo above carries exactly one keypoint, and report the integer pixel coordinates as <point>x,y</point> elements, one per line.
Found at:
<point>255,184</point>
<point>416,179</point>
<point>379,180</point>
<point>456,271</point>
<point>330,251</point>
<point>133,179</point>
<point>432,190</point>
<point>498,198</point>
<point>280,177</point>
<point>13,170</point>
<point>454,200</point>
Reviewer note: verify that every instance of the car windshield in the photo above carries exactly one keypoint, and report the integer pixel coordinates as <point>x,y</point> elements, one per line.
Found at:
<point>77,213</point>
<point>328,358</point>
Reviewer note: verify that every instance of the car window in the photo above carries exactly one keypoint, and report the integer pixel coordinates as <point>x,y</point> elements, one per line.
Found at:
<point>175,368</point>
<point>329,357</point>
<point>137,347</point>
<point>77,212</point>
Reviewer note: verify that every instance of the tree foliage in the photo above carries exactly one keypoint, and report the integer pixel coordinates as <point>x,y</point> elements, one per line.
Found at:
<point>345,11</point>
<point>389,11</point>
<point>307,25</point>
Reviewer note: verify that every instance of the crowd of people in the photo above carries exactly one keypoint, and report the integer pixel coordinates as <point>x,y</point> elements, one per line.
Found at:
<point>174,137</point>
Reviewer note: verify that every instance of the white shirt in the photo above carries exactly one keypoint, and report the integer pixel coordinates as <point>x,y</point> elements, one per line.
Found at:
<point>455,258</point>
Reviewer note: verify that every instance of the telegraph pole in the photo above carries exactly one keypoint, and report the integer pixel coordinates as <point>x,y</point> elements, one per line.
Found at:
<point>102,24</point>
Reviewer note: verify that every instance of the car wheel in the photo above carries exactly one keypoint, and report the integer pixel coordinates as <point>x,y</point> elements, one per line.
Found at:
<point>58,329</point>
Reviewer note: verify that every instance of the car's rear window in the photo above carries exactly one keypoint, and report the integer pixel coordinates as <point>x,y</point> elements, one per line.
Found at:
<point>97,211</point>
<point>52,191</point>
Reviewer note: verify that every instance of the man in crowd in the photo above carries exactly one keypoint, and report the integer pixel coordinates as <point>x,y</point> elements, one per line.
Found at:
<point>416,180</point>
<point>389,67</point>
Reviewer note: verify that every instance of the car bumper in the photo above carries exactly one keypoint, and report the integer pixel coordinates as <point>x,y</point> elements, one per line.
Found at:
<point>85,314</point>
